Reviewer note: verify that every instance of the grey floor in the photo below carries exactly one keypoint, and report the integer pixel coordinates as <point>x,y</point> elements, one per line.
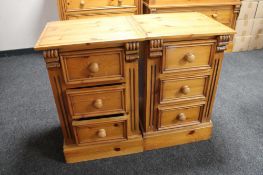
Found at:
<point>31,141</point>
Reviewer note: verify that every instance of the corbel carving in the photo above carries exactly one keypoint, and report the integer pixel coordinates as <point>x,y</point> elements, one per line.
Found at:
<point>237,9</point>
<point>156,48</point>
<point>132,51</point>
<point>222,42</point>
<point>51,58</point>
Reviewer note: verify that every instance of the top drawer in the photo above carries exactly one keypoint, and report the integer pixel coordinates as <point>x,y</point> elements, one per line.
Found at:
<point>187,55</point>
<point>102,66</point>
<point>84,4</point>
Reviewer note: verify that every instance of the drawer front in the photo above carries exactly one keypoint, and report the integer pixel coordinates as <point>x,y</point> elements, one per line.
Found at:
<point>96,15</point>
<point>223,14</point>
<point>86,4</point>
<point>180,116</point>
<point>183,89</point>
<point>95,66</point>
<point>187,55</point>
<point>100,130</point>
<point>92,102</point>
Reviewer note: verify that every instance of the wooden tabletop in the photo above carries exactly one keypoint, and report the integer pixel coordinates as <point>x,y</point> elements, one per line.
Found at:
<point>128,28</point>
<point>89,31</point>
<point>179,25</point>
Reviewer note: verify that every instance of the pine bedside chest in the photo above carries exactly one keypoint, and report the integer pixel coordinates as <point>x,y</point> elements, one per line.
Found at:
<point>182,61</point>
<point>93,67</point>
<point>93,70</point>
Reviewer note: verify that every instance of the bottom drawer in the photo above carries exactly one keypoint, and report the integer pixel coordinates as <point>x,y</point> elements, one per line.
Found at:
<point>100,130</point>
<point>180,116</point>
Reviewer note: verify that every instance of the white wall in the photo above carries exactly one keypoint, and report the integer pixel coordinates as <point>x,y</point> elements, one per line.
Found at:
<point>22,21</point>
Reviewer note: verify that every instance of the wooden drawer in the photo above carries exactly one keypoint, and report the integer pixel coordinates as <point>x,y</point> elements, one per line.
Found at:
<point>109,129</point>
<point>100,66</point>
<point>178,89</point>
<point>223,14</point>
<point>187,55</point>
<point>87,4</point>
<point>178,116</point>
<point>95,14</point>
<point>90,102</point>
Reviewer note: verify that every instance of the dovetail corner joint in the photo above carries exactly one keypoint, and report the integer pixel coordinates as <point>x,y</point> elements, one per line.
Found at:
<point>132,51</point>
<point>156,48</point>
<point>222,42</point>
<point>51,58</point>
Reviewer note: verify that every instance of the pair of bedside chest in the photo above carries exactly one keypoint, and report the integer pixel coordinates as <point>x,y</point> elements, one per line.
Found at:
<point>98,68</point>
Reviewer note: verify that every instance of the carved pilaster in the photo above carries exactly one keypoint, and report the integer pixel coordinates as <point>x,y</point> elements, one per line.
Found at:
<point>222,42</point>
<point>156,48</point>
<point>51,58</point>
<point>132,51</point>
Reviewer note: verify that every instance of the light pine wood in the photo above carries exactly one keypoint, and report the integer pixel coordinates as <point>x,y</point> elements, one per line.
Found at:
<point>178,116</point>
<point>83,4</point>
<point>93,66</point>
<point>100,130</point>
<point>75,153</point>
<point>224,11</point>
<point>81,32</point>
<point>90,102</point>
<point>128,28</point>
<point>180,89</point>
<point>167,25</point>
<point>94,74</point>
<point>187,55</point>
<point>172,137</point>
<point>190,2</point>
<point>77,9</point>
<point>99,118</point>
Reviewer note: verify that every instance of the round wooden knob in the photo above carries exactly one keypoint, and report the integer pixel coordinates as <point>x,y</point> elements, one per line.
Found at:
<point>102,133</point>
<point>94,67</point>
<point>214,15</point>
<point>82,2</point>
<point>189,57</point>
<point>181,117</point>
<point>98,103</point>
<point>186,89</point>
<point>119,2</point>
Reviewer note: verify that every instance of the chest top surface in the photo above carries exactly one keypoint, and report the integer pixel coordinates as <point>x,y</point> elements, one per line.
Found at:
<point>89,31</point>
<point>170,25</point>
<point>129,28</point>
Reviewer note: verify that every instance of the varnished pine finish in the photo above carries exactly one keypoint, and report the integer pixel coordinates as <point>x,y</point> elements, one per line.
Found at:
<point>224,11</point>
<point>93,71</point>
<point>79,9</point>
<point>180,81</point>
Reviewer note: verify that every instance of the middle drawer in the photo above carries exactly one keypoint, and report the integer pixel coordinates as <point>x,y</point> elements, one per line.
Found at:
<point>90,102</point>
<point>185,88</point>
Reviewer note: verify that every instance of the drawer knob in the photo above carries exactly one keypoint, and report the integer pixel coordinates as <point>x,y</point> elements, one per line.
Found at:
<point>189,57</point>
<point>102,133</point>
<point>98,103</point>
<point>82,3</point>
<point>119,2</point>
<point>181,117</point>
<point>214,15</point>
<point>186,90</point>
<point>94,67</point>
